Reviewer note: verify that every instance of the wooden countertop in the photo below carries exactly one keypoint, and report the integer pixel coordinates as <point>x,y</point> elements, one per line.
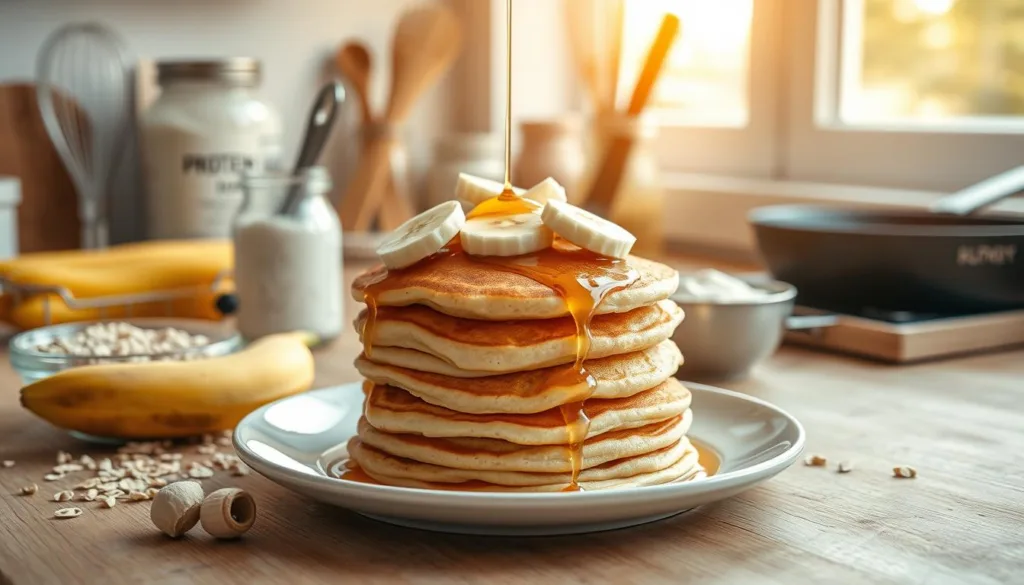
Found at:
<point>960,423</point>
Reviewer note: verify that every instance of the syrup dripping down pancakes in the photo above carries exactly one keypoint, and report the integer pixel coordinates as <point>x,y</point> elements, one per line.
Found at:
<point>545,371</point>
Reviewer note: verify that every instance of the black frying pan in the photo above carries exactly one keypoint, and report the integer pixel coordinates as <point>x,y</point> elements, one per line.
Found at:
<point>941,261</point>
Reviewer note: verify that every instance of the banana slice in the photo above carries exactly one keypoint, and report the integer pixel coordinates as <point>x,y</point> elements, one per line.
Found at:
<point>587,230</point>
<point>422,235</point>
<point>505,235</point>
<point>475,190</point>
<point>546,190</point>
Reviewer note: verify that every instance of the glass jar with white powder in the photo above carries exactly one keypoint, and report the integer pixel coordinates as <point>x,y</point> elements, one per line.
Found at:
<point>288,262</point>
<point>207,127</point>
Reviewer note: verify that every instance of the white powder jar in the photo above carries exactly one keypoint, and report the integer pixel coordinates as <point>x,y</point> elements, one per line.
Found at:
<point>207,128</point>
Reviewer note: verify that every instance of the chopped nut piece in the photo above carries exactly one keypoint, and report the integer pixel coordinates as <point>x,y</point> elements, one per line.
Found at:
<point>137,496</point>
<point>88,484</point>
<point>815,461</point>
<point>108,501</point>
<point>904,472</point>
<point>845,467</point>
<point>63,457</point>
<point>29,490</point>
<point>152,492</point>
<point>53,476</point>
<point>224,441</point>
<point>200,472</point>
<point>64,513</point>
<point>157,482</point>
<point>91,495</point>
<point>239,470</point>
<point>7,463</point>
<point>64,496</point>
<point>207,449</point>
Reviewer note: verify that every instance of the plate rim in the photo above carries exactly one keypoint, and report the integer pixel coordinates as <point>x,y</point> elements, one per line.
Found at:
<point>387,493</point>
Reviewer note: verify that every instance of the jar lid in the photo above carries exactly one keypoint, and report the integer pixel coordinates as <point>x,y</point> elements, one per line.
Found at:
<point>235,70</point>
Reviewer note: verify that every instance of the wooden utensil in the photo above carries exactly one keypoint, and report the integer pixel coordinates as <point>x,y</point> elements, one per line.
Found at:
<point>48,213</point>
<point>609,176</point>
<point>354,62</point>
<point>426,42</point>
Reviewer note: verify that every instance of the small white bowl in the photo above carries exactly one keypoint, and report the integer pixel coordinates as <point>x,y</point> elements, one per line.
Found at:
<point>723,340</point>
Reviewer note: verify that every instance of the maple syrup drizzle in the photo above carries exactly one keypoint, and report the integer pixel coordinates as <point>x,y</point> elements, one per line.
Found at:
<point>583,279</point>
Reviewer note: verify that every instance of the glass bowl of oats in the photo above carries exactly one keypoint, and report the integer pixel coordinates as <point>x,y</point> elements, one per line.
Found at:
<point>39,353</point>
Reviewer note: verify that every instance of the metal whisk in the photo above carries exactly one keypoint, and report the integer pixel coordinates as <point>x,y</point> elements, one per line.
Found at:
<point>84,95</point>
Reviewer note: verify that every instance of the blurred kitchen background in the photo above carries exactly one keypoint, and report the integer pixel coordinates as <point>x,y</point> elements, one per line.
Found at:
<point>863,102</point>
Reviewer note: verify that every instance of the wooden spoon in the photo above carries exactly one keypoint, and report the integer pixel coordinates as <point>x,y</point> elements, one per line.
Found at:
<point>354,62</point>
<point>426,42</point>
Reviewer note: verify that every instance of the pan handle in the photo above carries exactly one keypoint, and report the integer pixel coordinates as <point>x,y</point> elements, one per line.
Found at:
<point>810,324</point>
<point>979,195</point>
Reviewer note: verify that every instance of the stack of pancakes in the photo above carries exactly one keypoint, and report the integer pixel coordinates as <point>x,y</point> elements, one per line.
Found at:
<point>465,369</point>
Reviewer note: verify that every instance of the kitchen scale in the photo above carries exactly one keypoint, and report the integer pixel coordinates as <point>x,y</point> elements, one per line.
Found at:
<point>905,336</point>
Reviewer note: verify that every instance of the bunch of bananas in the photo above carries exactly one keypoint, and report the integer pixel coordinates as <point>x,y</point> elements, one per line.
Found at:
<point>120,270</point>
<point>173,399</point>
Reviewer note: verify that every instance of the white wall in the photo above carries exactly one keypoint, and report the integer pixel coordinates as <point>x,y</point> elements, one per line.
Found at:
<point>293,38</point>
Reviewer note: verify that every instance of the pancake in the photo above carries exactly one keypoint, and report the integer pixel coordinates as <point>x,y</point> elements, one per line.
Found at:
<point>394,410</point>
<point>463,287</point>
<point>676,462</point>
<point>527,392</point>
<point>512,346</point>
<point>495,455</point>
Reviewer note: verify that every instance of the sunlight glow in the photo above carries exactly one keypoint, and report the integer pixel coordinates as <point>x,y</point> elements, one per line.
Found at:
<point>705,77</point>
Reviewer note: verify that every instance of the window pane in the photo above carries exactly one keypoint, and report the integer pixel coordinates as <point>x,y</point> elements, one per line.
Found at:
<point>704,82</point>
<point>932,61</point>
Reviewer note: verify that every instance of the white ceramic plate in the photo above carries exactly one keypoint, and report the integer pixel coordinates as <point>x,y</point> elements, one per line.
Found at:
<point>299,441</point>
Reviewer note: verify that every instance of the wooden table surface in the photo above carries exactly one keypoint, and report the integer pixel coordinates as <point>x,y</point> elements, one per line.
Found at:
<point>960,423</point>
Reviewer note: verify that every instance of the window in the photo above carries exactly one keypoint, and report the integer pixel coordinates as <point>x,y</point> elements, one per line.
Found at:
<point>716,97</point>
<point>925,94</point>
<point>932,62</point>
<point>704,82</point>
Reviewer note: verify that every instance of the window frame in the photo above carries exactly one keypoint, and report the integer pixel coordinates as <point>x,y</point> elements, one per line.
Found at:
<point>752,149</point>
<point>820,147</point>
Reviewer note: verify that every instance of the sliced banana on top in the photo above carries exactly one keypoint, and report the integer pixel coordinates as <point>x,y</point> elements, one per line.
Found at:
<point>587,230</point>
<point>546,190</point>
<point>422,235</point>
<point>475,190</point>
<point>505,235</point>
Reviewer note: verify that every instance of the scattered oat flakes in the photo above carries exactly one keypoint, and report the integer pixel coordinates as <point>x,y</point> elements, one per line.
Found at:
<point>64,496</point>
<point>108,501</point>
<point>904,472</point>
<point>815,461</point>
<point>67,513</point>
<point>137,496</point>
<point>29,490</point>
<point>845,467</point>
<point>200,472</point>
<point>6,464</point>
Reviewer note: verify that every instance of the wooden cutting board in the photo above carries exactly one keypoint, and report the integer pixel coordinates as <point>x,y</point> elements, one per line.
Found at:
<point>48,214</point>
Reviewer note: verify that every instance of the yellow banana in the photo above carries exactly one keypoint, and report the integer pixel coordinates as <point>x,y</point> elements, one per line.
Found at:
<point>173,399</point>
<point>31,312</point>
<point>140,269</point>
